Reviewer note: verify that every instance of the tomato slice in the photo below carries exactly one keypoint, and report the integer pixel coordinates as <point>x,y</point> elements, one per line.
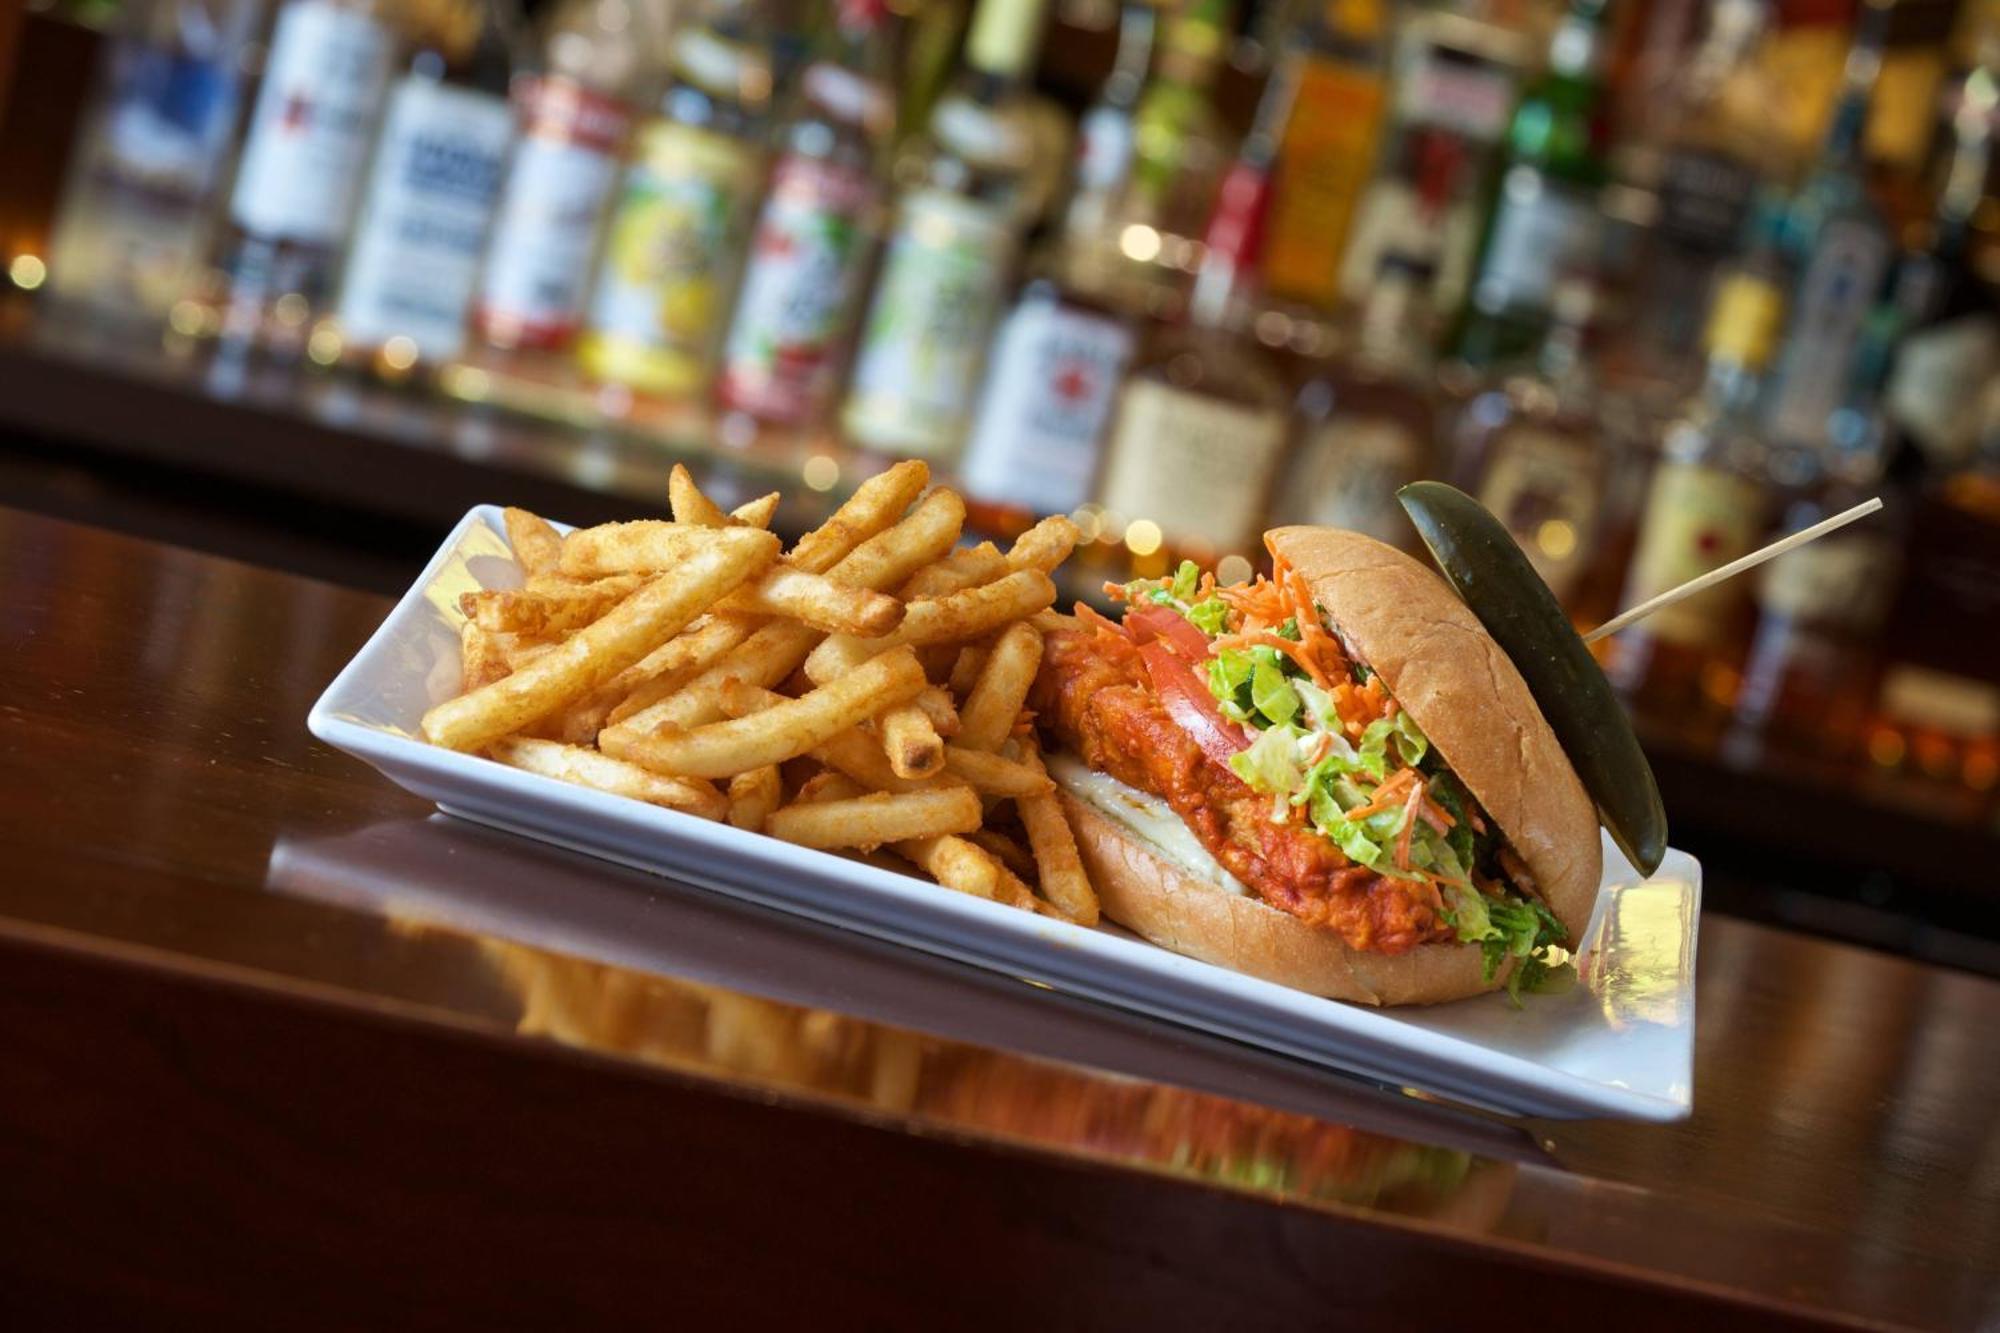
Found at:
<point>1159,622</point>
<point>1189,703</point>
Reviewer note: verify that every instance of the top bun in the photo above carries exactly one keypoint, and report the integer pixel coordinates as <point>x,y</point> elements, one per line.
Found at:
<point>1439,663</point>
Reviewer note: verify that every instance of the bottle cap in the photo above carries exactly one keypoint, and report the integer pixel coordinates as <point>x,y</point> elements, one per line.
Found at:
<point>1004,35</point>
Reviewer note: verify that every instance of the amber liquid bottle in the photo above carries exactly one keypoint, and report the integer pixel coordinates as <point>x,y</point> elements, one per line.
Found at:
<point>1706,506</point>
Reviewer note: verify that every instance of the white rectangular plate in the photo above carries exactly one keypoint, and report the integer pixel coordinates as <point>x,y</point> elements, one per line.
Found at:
<point>1619,1043</point>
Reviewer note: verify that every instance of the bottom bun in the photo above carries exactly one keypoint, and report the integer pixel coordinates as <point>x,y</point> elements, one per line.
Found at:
<point>1147,894</point>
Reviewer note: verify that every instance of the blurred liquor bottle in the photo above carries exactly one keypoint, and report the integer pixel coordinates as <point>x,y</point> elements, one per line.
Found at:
<point>1367,424</point>
<point>1107,131</point>
<point>1339,108</point>
<point>406,288</point>
<point>787,342</point>
<point>1939,710</point>
<point>300,172</point>
<point>133,228</point>
<point>1951,351</point>
<point>675,243</point>
<point>1200,427</point>
<point>1538,447</point>
<point>1455,76</point>
<point>574,114</point>
<point>1840,244</point>
<point>1698,162</point>
<point>1180,150</point>
<point>1813,664</point>
<point>951,249</point>
<point>1056,366</point>
<point>1543,219</point>
<point>1706,506</point>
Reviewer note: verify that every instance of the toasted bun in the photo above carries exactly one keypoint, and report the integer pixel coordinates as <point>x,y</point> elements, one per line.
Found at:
<point>1465,693</point>
<point>1144,892</point>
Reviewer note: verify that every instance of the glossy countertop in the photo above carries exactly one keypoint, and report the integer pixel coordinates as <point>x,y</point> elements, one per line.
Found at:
<point>162,809</point>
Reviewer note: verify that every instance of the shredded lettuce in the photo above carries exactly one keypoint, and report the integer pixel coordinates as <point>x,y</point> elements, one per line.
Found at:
<point>1250,685</point>
<point>1271,695</point>
<point>1210,616</point>
<point>1271,764</point>
<point>1506,927</point>
<point>1410,743</point>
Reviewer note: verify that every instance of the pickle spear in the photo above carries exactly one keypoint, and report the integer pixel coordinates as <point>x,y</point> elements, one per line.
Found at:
<point>1492,576</point>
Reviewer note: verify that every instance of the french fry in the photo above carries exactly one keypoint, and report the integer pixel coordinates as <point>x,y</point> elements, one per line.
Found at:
<point>965,670</point>
<point>537,546</point>
<point>828,785</point>
<point>965,568</point>
<point>1060,868</point>
<point>541,615</point>
<point>753,796</point>
<point>875,505</point>
<point>962,615</point>
<point>601,650</point>
<point>858,755</point>
<point>689,505</point>
<point>987,719</point>
<point>823,602</point>
<point>993,775</point>
<point>642,546</point>
<point>756,513</point>
<point>956,863</point>
<point>1005,850</point>
<point>765,658</point>
<point>1045,545</point>
<point>784,731</point>
<point>878,818</point>
<point>669,666</point>
<point>1053,621</point>
<point>481,658</point>
<point>938,707</point>
<point>914,748</point>
<point>587,768</point>
<point>897,553</point>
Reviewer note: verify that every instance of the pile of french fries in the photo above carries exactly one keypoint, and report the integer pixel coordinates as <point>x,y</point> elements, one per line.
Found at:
<point>864,690</point>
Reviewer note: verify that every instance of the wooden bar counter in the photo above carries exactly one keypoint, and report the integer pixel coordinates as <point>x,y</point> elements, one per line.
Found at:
<point>280,1047</point>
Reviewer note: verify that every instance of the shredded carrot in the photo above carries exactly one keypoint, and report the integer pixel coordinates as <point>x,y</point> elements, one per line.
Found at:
<point>1292,650</point>
<point>1385,796</point>
<point>1115,591</point>
<point>1090,616</point>
<point>1410,808</point>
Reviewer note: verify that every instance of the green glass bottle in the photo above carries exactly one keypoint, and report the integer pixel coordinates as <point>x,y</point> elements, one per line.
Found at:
<point>1543,219</point>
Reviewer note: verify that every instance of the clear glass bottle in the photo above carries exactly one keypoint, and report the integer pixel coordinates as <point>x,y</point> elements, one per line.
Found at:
<point>678,232</point>
<point>809,254</point>
<point>1367,425</point>
<point>1106,133</point>
<point>406,287</point>
<point>575,113</point>
<point>300,172</point>
<point>1812,668</point>
<point>951,249</point>
<point>1200,428</point>
<point>133,229</point>
<point>1339,110</point>
<point>1544,217</point>
<point>1842,247</point>
<point>1706,505</point>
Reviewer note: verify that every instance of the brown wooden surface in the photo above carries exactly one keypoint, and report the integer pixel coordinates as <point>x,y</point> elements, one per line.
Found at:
<point>280,1047</point>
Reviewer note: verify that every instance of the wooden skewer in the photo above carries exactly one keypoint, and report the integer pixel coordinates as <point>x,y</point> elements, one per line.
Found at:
<point>1732,569</point>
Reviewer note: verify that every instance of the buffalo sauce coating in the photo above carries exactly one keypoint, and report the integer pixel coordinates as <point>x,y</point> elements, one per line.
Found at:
<point>1095,699</point>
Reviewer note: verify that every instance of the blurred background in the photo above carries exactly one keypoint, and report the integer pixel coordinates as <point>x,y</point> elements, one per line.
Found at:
<point>297,281</point>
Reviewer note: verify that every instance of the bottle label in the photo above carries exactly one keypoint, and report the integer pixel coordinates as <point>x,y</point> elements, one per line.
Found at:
<point>1940,373</point>
<point>1197,467</point>
<point>1704,196</point>
<point>1696,519</point>
<point>423,219</point>
<point>1323,164</point>
<point>1453,90</point>
<point>303,156</point>
<point>1941,701</point>
<point>1843,582</point>
<point>1543,229</point>
<point>1839,287</point>
<point>1543,488</point>
<point>926,336</point>
<point>1054,377</point>
<point>539,263</point>
<point>669,258</point>
<point>1347,475</point>
<point>783,349</point>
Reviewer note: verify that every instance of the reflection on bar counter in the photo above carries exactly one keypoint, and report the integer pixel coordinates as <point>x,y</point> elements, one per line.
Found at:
<point>1657,282</point>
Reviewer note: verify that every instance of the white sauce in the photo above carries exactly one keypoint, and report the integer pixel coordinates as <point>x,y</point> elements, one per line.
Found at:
<point>1145,815</point>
